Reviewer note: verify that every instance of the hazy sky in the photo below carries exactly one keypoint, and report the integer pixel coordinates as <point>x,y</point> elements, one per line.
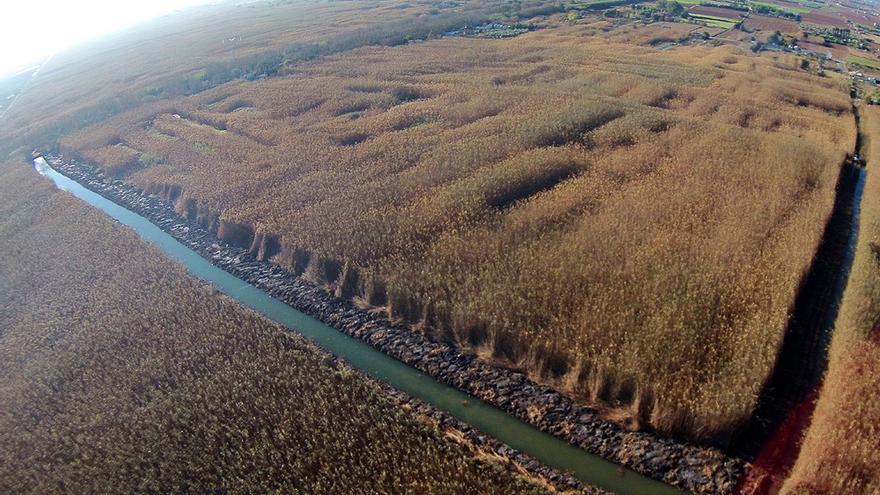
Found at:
<point>33,29</point>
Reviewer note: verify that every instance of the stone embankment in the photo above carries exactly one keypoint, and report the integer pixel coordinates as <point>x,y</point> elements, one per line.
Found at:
<point>480,442</point>
<point>697,469</point>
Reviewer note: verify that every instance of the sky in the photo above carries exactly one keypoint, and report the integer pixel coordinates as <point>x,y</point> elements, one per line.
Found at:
<point>31,30</point>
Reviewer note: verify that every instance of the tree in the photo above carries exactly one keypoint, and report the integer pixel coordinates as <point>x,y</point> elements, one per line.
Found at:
<point>776,39</point>
<point>805,64</point>
<point>672,7</point>
<point>676,9</point>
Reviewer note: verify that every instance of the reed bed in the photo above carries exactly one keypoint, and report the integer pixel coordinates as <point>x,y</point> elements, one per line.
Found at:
<point>218,43</point>
<point>120,373</point>
<point>841,451</point>
<point>631,225</point>
<point>626,223</point>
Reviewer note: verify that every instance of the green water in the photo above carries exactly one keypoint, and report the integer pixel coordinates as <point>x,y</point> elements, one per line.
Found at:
<point>548,449</point>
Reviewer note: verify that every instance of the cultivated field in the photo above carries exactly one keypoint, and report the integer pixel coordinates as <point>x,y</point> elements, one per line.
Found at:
<point>766,23</point>
<point>717,22</point>
<point>717,12</point>
<point>824,18</point>
<point>628,224</point>
<point>119,373</point>
<point>838,52</point>
<point>863,62</point>
<point>841,452</point>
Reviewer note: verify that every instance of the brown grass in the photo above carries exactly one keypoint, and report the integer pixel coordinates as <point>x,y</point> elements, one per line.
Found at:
<point>216,43</point>
<point>626,223</point>
<point>841,452</point>
<point>119,373</point>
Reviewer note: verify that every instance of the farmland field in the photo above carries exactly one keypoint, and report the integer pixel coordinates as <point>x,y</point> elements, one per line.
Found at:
<point>824,18</point>
<point>139,379</point>
<point>713,21</point>
<point>561,202</point>
<point>863,61</point>
<point>783,6</point>
<point>838,52</point>
<point>804,3</point>
<point>717,12</point>
<point>766,23</point>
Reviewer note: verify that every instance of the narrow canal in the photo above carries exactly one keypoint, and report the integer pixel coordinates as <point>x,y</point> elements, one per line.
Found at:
<point>589,468</point>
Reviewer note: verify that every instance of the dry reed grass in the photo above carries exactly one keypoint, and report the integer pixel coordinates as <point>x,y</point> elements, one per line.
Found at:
<point>841,452</point>
<point>627,223</point>
<point>119,373</point>
<point>215,43</point>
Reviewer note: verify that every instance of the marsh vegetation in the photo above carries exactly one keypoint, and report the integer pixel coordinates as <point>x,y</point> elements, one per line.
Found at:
<point>840,451</point>
<point>626,223</point>
<point>122,374</point>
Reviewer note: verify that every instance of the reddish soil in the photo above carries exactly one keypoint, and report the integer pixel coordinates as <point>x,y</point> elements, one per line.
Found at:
<point>773,464</point>
<point>824,19</point>
<point>839,52</point>
<point>766,23</point>
<point>733,15</point>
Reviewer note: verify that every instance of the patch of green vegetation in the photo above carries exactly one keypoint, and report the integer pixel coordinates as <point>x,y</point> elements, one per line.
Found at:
<point>598,4</point>
<point>672,7</point>
<point>710,3</point>
<point>712,21</point>
<point>719,24</point>
<point>149,159</point>
<point>862,61</point>
<point>203,148</point>
<point>773,6</point>
<point>810,4</point>
<point>584,4</point>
